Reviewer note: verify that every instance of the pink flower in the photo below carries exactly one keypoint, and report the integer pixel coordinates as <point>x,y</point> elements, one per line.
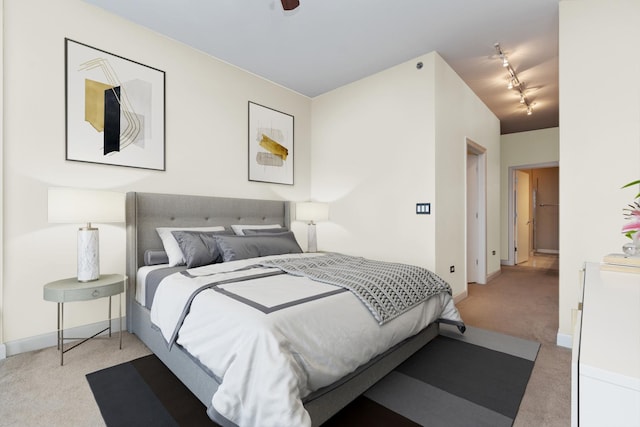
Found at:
<point>631,226</point>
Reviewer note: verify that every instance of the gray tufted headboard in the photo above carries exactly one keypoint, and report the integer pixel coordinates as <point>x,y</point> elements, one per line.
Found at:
<point>146,211</point>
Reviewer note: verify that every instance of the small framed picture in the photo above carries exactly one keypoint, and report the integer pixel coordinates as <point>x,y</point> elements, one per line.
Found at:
<point>271,155</point>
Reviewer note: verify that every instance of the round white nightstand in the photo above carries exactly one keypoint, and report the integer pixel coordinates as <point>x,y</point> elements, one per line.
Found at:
<point>70,290</point>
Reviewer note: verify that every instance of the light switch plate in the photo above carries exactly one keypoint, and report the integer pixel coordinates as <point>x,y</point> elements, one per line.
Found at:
<point>423,208</point>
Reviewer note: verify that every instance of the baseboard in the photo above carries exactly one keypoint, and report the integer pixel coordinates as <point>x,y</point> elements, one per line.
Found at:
<point>564,340</point>
<point>50,339</point>
<point>548,251</point>
<point>459,297</point>
<point>494,275</point>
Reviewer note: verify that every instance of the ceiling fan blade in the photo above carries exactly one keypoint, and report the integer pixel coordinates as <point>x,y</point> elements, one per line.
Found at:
<point>290,4</point>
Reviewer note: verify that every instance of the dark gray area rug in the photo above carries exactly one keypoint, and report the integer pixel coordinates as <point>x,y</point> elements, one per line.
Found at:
<point>455,380</point>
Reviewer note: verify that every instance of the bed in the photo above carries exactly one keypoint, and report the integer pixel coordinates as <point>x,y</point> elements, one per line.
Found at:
<point>145,212</point>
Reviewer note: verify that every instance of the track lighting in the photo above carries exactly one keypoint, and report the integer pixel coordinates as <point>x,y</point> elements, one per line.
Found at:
<point>514,81</point>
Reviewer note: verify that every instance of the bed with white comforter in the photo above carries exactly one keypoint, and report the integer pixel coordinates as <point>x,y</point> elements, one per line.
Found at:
<point>272,339</point>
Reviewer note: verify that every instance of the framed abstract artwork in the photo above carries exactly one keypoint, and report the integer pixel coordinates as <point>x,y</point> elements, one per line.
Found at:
<point>115,109</point>
<point>270,145</point>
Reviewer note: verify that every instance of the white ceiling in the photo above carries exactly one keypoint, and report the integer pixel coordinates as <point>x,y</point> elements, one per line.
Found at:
<point>324,44</point>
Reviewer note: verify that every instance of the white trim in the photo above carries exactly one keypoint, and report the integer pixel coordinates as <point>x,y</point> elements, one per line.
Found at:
<point>548,251</point>
<point>3,351</point>
<point>494,275</point>
<point>459,297</point>
<point>564,340</point>
<point>50,339</point>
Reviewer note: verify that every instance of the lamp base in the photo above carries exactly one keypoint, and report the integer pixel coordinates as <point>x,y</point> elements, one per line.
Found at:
<point>312,241</point>
<point>88,257</point>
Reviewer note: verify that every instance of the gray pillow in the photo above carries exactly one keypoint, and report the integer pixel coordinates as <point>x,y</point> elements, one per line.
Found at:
<point>242,247</point>
<point>199,247</point>
<point>155,257</point>
<point>254,231</point>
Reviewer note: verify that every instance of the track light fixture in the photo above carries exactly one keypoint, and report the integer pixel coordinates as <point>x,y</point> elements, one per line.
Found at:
<point>514,81</point>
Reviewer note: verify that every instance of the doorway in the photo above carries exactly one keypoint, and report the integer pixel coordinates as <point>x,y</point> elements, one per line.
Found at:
<point>476,214</point>
<point>533,211</point>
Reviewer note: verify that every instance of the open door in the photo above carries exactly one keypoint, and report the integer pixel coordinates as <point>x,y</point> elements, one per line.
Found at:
<point>476,234</point>
<point>522,219</point>
<point>473,223</point>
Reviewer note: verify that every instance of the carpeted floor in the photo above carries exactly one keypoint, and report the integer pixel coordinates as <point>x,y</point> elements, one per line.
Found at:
<point>476,379</point>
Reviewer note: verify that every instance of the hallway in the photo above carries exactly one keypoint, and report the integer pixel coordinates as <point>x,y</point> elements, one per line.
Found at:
<point>523,301</point>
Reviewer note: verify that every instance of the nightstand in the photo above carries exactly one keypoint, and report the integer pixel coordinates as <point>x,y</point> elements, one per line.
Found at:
<point>70,290</point>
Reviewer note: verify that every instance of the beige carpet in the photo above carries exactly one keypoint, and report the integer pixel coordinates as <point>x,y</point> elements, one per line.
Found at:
<point>36,391</point>
<point>523,301</point>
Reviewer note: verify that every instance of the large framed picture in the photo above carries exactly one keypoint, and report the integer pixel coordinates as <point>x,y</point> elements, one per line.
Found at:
<point>270,145</point>
<point>115,109</point>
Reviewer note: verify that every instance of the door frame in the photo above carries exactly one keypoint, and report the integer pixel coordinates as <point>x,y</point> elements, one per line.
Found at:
<point>512,205</point>
<point>478,150</point>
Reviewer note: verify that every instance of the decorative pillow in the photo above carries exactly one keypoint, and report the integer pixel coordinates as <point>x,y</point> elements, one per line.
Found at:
<point>155,257</point>
<point>171,245</point>
<point>199,247</point>
<point>253,232</point>
<point>242,247</point>
<point>239,229</point>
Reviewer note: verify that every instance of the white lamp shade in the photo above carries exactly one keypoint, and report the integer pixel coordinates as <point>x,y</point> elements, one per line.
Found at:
<point>70,205</point>
<point>312,211</point>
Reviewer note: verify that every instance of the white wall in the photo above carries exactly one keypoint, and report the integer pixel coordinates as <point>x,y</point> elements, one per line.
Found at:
<point>386,142</point>
<point>206,146</point>
<point>599,134</point>
<point>522,149</point>
<point>460,114</point>
<point>2,346</point>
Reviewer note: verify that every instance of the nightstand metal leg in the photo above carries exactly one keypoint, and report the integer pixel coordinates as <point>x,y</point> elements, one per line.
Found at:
<point>120,316</point>
<point>58,337</point>
<point>109,317</point>
<point>61,332</point>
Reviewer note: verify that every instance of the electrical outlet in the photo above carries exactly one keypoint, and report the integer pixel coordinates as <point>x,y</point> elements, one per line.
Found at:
<point>493,252</point>
<point>452,269</point>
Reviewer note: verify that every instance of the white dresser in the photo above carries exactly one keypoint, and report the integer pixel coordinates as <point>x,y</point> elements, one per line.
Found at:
<point>605,380</point>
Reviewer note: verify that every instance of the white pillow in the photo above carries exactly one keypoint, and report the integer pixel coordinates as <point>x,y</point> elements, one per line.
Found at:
<point>170,243</point>
<point>239,229</point>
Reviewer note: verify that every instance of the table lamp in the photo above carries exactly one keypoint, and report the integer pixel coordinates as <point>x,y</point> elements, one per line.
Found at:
<point>70,205</point>
<point>312,212</point>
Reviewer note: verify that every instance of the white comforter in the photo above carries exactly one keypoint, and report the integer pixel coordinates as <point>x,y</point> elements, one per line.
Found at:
<point>268,362</point>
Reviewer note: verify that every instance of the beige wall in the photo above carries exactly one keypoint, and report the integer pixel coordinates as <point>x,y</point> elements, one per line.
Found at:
<point>460,115</point>
<point>388,141</point>
<point>599,134</point>
<point>522,150</point>
<point>206,146</point>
